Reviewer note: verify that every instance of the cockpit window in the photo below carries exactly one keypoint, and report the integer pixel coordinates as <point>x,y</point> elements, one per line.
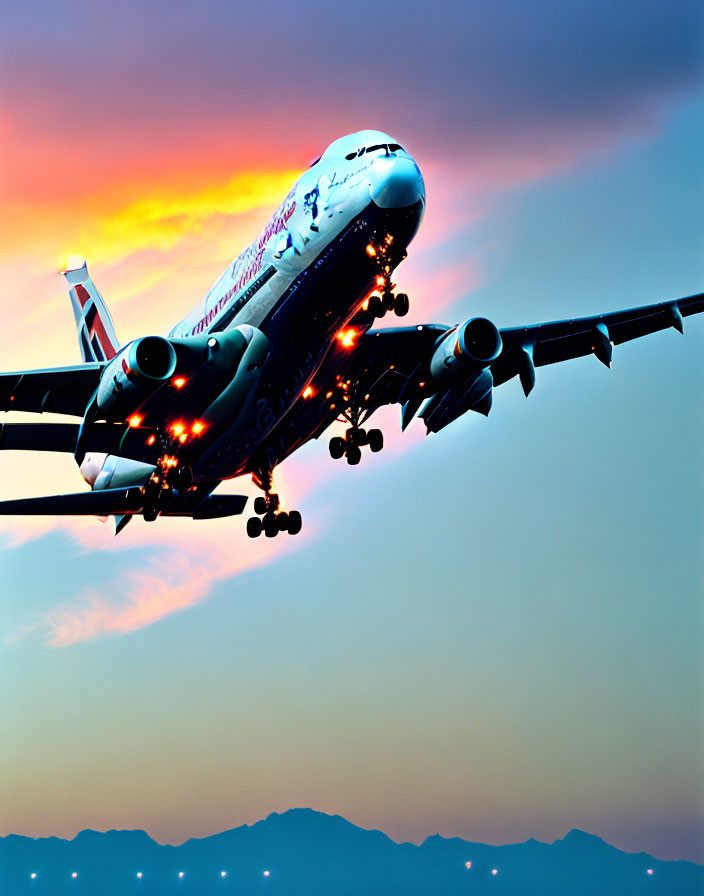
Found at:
<point>389,147</point>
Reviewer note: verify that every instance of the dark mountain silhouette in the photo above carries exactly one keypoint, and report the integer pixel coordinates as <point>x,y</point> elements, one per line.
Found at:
<point>308,852</point>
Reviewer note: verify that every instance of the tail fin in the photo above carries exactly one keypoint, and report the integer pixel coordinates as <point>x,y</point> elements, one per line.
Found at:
<point>96,331</point>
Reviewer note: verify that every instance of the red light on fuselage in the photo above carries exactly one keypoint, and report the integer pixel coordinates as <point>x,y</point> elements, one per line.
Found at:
<point>179,382</point>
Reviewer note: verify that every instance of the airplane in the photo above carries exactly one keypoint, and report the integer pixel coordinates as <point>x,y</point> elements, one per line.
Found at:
<point>280,348</point>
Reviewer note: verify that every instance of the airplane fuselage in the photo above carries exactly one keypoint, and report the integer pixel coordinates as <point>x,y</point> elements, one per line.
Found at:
<point>300,282</point>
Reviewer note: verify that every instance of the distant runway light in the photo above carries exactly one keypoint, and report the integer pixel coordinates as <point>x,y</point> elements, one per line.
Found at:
<point>74,875</point>
<point>494,872</point>
<point>267,873</point>
<point>33,875</point>
<point>650,871</point>
<point>223,874</point>
<point>467,865</point>
<point>139,875</point>
<point>180,874</point>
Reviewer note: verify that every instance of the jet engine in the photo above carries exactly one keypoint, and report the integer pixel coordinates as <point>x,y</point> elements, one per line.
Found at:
<point>136,371</point>
<point>472,345</point>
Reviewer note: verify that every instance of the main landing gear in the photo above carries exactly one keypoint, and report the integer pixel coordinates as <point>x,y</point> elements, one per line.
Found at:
<point>351,445</point>
<point>354,410</point>
<point>385,300</point>
<point>270,520</point>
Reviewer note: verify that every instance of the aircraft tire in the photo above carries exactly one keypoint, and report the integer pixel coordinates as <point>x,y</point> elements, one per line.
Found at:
<point>282,521</point>
<point>150,513</point>
<point>376,306</point>
<point>354,455</point>
<point>260,505</point>
<point>294,522</point>
<point>375,437</point>
<point>254,527</point>
<point>337,447</point>
<point>401,305</point>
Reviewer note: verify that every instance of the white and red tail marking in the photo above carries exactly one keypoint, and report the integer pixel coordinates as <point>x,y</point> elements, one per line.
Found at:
<point>96,331</point>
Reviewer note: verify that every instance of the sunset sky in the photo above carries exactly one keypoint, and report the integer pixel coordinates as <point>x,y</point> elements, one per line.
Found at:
<point>495,632</point>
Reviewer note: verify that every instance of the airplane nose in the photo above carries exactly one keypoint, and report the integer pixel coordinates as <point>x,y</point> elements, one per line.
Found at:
<point>395,182</point>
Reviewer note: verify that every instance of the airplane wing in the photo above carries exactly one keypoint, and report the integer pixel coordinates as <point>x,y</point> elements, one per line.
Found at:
<point>119,501</point>
<point>60,390</point>
<point>393,365</point>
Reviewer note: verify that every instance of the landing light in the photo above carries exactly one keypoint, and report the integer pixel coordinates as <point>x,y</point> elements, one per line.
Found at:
<point>178,429</point>
<point>308,392</point>
<point>380,280</point>
<point>347,338</point>
<point>135,420</point>
<point>197,427</point>
<point>151,440</point>
<point>182,438</point>
<point>180,382</point>
<point>371,251</point>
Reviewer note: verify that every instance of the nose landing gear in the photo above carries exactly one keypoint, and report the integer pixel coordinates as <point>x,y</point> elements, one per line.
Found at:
<point>168,475</point>
<point>386,300</point>
<point>270,520</point>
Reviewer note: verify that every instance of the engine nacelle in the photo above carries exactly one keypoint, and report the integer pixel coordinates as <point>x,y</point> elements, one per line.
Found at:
<point>136,371</point>
<point>471,345</point>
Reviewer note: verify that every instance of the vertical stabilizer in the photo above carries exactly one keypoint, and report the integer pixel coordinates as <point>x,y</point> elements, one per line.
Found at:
<point>96,331</point>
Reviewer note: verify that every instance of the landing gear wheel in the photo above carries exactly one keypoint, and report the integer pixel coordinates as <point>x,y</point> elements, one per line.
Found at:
<point>354,455</point>
<point>150,513</point>
<point>388,301</point>
<point>270,525</point>
<point>376,306</point>
<point>294,522</point>
<point>254,527</point>
<point>375,438</point>
<point>260,505</point>
<point>337,447</point>
<point>355,436</point>
<point>282,521</point>
<point>401,304</point>
<point>184,478</point>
